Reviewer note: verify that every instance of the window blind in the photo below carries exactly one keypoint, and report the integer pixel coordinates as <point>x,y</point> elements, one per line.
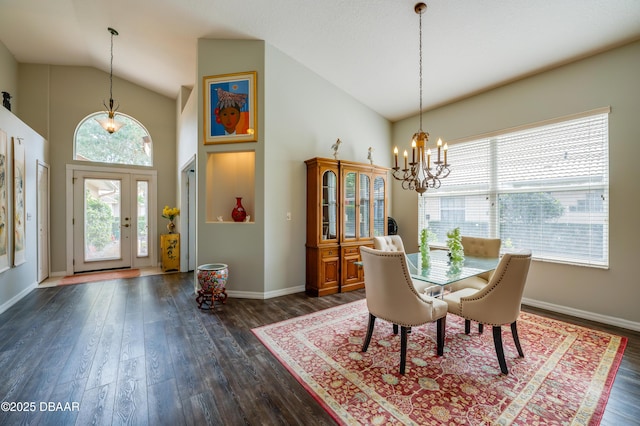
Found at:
<point>544,188</point>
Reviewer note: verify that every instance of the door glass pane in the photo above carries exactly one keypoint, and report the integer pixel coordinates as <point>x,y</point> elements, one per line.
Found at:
<point>365,195</point>
<point>142,227</point>
<point>350,205</point>
<point>329,205</point>
<point>378,207</point>
<point>101,219</point>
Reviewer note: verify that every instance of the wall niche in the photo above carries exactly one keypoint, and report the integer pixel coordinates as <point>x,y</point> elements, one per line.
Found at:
<point>230,175</point>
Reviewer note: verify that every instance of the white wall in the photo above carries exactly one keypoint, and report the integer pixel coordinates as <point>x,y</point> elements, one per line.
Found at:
<point>304,115</point>
<point>17,281</point>
<point>608,79</point>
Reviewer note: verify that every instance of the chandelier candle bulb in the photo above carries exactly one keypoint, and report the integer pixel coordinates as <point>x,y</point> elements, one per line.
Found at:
<point>429,159</point>
<point>395,153</point>
<point>445,153</point>
<point>439,148</point>
<point>413,152</point>
<point>406,156</point>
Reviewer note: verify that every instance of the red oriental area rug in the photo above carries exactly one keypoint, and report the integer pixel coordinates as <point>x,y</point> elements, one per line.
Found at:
<point>565,376</point>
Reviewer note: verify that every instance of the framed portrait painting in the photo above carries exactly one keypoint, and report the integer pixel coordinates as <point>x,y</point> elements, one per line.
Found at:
<point>18,202</point>
<point>4,205</point>
<point>230,108</point>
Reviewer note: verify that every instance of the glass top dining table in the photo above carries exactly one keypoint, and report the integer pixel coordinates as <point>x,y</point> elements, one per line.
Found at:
<point>442,272</point>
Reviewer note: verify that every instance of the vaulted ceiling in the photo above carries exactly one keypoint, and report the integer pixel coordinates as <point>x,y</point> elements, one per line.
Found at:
<point>368,48</point>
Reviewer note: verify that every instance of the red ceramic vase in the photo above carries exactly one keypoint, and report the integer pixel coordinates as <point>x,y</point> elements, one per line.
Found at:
<point>238,214</point>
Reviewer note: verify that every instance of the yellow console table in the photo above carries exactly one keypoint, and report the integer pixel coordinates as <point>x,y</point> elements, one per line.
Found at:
<point>170,248</point>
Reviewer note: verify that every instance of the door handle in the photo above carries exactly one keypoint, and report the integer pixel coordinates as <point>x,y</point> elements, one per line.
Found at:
<point>125,225</point>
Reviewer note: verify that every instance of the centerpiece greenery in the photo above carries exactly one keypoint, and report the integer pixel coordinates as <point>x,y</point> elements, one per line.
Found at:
<point>426,237</point>
<point>454,243</point>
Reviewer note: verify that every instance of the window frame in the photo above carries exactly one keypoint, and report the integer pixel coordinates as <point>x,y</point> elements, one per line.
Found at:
<point>147,140</point>
<point>489,185</point>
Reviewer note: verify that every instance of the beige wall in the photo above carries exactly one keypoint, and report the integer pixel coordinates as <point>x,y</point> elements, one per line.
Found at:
<point>9,76</point>
<point>301,123</point>
<point>239,245</point>
<point>304,116</point>
<point>608,79</point>
<point>187,149</point>
<point>300,117</point>
<point>55,99</point>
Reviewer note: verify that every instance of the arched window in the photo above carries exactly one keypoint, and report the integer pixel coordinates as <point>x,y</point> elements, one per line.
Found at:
<point>130,145</point>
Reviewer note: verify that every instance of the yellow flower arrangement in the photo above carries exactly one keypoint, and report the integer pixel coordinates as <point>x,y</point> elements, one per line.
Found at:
<point>170,213</point>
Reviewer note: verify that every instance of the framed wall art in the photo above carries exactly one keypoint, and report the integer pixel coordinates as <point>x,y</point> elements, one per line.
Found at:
<point>4,205</point>
<point>230,108</point>
<point>18,202</point>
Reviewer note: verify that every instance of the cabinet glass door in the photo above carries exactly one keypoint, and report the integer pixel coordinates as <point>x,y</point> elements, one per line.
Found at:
<point>365,209</point>
<point>329,205</point>
<point>350,205</point>
<point>378,207</point>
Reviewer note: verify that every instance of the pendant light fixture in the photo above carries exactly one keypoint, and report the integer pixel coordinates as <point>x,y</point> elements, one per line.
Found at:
<point>417,174</point>
<point>110,124</point>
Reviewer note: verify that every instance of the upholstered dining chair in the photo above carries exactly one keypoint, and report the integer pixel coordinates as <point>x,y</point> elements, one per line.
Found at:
<point>388,243</point>
<point>478,247</point>
<point>391,296</point>
<point>496,304</point>
<point>394,243</point>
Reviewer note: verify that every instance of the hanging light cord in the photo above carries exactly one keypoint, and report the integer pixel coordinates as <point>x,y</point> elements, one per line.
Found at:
<point>110,124</point>
<point>418,174</point>
<point>111,69</point>
<point>113,32</point>
<point>420,47</point>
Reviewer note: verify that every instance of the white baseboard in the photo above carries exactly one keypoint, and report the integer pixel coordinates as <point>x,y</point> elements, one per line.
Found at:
<point>267,295</point>
<point>15,299</point>
<point>604,319</point>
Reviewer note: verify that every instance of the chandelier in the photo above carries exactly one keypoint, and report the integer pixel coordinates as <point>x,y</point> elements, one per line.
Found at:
<point>418,174</point>
<point>110,124</point>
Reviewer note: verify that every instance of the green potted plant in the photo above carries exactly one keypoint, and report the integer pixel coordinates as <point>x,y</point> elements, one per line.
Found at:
<point>425,255</point>
<point>454,242</point>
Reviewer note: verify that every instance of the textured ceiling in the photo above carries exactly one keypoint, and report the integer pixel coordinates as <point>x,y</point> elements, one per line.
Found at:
<point>368,48</point>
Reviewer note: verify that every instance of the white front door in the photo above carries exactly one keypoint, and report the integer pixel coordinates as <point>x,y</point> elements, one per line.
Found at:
<point>102,220</point>
<point>111,218</point>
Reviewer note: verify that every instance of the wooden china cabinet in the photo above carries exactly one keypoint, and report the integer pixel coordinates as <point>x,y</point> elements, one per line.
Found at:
<point>346,208</point>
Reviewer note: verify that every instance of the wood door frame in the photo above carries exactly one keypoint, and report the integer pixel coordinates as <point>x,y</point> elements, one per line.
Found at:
<point>153,238</point>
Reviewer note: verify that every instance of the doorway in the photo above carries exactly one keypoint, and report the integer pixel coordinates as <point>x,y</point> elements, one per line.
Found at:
<point>111,220</point>
<point>188,222</point>
<point>43,220</point>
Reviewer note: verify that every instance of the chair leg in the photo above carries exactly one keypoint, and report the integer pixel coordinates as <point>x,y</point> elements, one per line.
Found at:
<point>395,328</point>
<point>367,340</point>
<point>441,325</point>
<point>480,327</point>
<point>403,348</point>
<point>516,340</point>
<point>497,342</point>
<point>467,326</point>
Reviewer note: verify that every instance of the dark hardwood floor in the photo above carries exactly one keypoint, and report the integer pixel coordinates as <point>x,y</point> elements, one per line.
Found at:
<point>137,351</point>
